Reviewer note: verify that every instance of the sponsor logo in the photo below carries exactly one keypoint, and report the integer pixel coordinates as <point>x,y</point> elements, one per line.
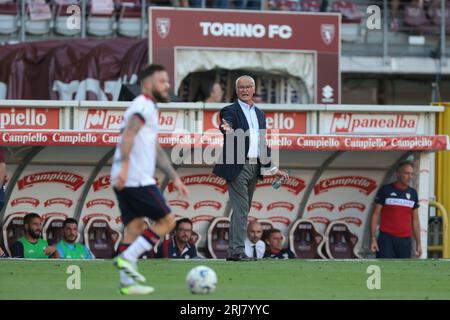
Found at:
<point>103,119</point>
<point>218,183</point>
<point>322,220</point>
<point>101,183</point>
<point>352,220</point>
<point>352,205</point>
<point>280,219</point>
<point>29,118</point>
<point>280,204</point>
<point>364,185</point>
<point>393,194</point>
<point>282,122</point>
<point>323,205</point>
<point>110,119</point>
<point>163,27</point>
<point>203,217</point>
<point>327,94</point>
<point>374,123</point>
<point>28,200</point>
<point>245,30</point>
<point>70,180</point>
<point>294,185</point>
<point>179,203</point>
<point>327,31</point>
<point>208,203</point>
<point>101,202</point>
<point>399,202</point>
<point>257,205</point>
<point>54,214</point>
<point>64,201</point>
<point>96,215</point>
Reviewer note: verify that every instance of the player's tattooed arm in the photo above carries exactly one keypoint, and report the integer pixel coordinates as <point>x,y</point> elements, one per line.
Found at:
<point>163,163</point>
<point>130,132</point>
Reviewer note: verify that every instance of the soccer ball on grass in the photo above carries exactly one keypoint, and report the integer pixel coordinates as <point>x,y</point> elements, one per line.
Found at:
<point>201,280</point>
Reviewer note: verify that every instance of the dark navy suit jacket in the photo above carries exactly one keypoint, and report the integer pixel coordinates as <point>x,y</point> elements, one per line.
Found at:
<point>235,117</point>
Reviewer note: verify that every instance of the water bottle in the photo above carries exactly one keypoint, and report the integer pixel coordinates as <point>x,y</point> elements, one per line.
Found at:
<point>279,181</point>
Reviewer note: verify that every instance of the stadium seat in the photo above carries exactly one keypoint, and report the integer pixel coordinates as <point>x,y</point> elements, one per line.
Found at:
<point>61,17</point>
<point>9,18</point>
<point>349,11</point>
<point>52,230</point>
<point>100,238</point>
<point>101,19</point>
<point>436,17</point>
<point>340,241</point>
<point>39,18</point>
<point>305,241</point>
<point>218,237</point>
<point>415,20</point>
<point>129,23</point>
<point>13,229</point>
<point>310,5</point>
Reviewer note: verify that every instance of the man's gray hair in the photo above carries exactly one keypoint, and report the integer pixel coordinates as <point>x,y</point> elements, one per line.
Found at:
<point>242,77</point>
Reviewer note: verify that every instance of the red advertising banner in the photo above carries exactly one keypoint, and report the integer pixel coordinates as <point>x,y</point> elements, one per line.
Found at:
<point>283,122</point>
<point>227,29</point>
<point>299,142</point>
<point>29,118</point>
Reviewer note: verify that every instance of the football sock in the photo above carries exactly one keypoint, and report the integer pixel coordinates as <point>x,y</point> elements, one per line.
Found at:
<point>124,279</point>
<point>143,243</point>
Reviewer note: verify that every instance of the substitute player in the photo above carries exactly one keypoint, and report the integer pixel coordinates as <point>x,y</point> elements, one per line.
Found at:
<point>132,176</point>
<point>397,204</point>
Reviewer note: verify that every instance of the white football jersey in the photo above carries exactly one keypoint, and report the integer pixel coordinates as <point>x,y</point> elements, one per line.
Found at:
<point>143,153</point>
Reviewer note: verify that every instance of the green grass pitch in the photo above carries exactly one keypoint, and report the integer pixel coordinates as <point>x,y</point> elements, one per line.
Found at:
<point>293,279</point>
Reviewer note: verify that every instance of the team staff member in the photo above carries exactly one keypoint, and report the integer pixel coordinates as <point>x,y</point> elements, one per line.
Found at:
<point>68,248</point>
<point>243,125</point>
<point>254,246</point>
<point>178,246</point>
<point>31,245</point>
<point>397,204</point>
<point>275,248</point>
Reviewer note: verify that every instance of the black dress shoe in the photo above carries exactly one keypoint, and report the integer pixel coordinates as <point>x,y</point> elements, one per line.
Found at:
<point>240,257</point>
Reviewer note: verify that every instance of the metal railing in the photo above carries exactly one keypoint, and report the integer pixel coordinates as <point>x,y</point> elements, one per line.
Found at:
<point>445,247</point>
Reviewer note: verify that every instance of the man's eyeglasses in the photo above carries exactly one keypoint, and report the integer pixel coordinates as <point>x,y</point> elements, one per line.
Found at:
<point>244,87</point>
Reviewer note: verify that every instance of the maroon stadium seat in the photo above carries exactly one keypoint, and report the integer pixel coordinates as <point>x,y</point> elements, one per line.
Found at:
<point>9,18</point>
<point>436,17</point>
<point>129,23</point>
<point>349,11</point>
<point>61,17</point>
<point>52,229</point>
<point>340,241</point>
<point>416,20</point>
<point>13,229</point>
<point>305,241</point>
<point>100,238</point>
<point>218,237</point>
<point>310,5</point>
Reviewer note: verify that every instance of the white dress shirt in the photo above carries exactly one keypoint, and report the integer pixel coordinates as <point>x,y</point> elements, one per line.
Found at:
<point>253,124</point>
<point>260,248</point>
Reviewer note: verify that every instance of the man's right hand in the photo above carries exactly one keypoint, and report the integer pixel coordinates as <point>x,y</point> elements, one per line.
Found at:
<point>374,246</point>
<point>122,177</point>
<point>225,126</point>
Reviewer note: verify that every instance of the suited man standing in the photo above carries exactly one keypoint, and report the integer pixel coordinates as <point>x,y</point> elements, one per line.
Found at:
<point>245,158</point>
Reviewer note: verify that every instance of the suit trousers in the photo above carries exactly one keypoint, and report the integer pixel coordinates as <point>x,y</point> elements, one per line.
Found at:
<point>241,192</point>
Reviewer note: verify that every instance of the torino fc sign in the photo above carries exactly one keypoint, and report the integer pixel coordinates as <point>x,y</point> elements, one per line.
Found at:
<point>245,30</point>
<point>295,32</point>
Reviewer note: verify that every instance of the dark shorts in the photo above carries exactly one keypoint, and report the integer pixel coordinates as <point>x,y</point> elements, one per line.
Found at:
<point>137,202</point>
<point>392,247</point>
